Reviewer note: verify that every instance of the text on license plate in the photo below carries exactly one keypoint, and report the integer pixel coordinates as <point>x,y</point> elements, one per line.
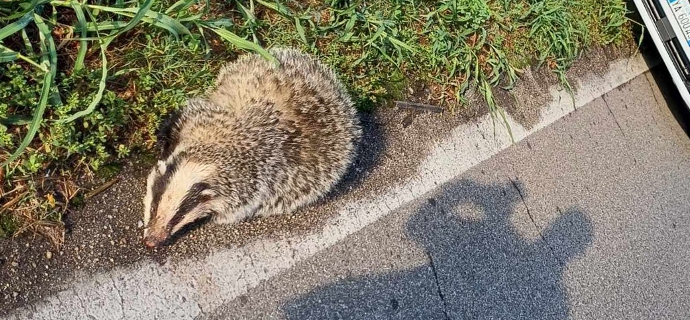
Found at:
<point>680,11</point>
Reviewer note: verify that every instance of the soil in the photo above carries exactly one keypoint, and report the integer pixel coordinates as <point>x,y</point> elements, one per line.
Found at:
<point>106,232</point>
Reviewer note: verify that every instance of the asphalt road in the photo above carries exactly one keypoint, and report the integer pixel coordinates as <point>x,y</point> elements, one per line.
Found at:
<point>585,219</point>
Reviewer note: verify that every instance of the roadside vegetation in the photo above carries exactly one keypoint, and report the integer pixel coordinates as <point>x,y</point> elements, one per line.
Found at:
<point>84,83</point>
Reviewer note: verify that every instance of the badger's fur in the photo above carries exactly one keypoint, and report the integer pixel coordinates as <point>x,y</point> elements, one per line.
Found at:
<point>265,141</point>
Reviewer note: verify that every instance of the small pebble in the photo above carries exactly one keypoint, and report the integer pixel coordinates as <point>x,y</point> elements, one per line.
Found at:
<point>14,263</point>
<point>49,255</point>
<point>15,294</point>
<point>140,224</point>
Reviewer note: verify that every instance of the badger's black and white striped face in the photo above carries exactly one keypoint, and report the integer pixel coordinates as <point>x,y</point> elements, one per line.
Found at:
<point>178,193</point>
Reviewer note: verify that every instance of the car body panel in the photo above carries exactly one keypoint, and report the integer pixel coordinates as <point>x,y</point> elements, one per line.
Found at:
<point>668,23</point>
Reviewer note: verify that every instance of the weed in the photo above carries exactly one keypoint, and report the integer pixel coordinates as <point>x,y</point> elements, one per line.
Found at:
<point>8,225</point>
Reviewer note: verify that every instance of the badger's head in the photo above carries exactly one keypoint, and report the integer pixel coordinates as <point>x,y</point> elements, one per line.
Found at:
<point>179,192</point>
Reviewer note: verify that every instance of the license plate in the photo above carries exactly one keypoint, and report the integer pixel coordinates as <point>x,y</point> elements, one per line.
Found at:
<point>681,19</point>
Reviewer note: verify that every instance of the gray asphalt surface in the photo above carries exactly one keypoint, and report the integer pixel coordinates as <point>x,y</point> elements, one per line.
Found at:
<point>585,219</point>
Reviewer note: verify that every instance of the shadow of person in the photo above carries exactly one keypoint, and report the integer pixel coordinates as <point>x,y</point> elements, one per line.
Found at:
<point>477,268</point>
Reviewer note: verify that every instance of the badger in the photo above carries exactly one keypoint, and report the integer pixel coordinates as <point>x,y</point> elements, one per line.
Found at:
<point>266,140</point>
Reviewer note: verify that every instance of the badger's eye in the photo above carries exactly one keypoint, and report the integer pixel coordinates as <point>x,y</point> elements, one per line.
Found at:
<point>199,193</point>
<point>206,195</point>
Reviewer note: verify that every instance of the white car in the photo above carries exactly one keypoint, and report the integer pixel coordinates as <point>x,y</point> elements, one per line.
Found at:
<point>668,22</point>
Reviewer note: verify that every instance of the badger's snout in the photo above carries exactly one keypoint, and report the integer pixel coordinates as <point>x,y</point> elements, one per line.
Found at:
<point>153,240</point>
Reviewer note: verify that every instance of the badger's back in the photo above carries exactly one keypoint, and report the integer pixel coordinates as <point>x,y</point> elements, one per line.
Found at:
<point>294,126</point>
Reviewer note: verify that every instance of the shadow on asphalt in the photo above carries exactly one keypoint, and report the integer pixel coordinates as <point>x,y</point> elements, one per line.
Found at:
<point>477,268</point>
<point>368,154</point>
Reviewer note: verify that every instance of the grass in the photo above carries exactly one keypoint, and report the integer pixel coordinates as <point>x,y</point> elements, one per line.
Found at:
<point>84,83</point>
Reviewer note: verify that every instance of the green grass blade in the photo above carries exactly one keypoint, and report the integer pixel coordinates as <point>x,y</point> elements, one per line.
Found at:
<point>155,18</point>
<point>27,43</point>
<point>138,16</point>
<point>242,43</point>
<point>507,124</point>
<point>220,23</point>
<point>83,44</point>
<point>101,86</point>
<point>350,24</point>
<point>166,22</point>
<point>384,54</point>
<point>29,9</point>
<point>182,4</point>
<point>15,120</point>
<point>16,26</point>
<point>103,44</point>
<point>376,36</point>
<point>277,7</point>
<point>192,18</point>
<point>401,44</point>
<point>300,31</point>
<point>49,50</point>
<point>103,26</point>
<point>247,14</point>
<point>7,55</point>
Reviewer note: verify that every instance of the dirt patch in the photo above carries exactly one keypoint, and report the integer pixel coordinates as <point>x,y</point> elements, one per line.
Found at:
<point>107,231</point>
<point>526,100</point>
<point>596,60</point>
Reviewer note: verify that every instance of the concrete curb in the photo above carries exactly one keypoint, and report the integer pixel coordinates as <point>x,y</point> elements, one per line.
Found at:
<point>188,289</point>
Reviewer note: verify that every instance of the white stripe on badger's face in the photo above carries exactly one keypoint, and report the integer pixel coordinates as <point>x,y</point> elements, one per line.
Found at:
<point>187,174</point>
<point>149,196</point>
<point>200,211</point>
<point>156,172</point>
<point>168,185</point>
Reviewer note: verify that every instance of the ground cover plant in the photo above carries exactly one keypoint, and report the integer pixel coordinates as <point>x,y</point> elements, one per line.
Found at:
<point>84,83</point>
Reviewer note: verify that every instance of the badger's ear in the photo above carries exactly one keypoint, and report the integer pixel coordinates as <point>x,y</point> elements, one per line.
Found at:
<point>168,133</point>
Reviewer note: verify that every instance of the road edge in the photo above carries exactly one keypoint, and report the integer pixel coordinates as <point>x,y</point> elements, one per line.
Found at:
<point>188,289</point>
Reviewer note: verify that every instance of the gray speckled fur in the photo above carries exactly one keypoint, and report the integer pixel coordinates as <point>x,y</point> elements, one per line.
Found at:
<point>278,138</point>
